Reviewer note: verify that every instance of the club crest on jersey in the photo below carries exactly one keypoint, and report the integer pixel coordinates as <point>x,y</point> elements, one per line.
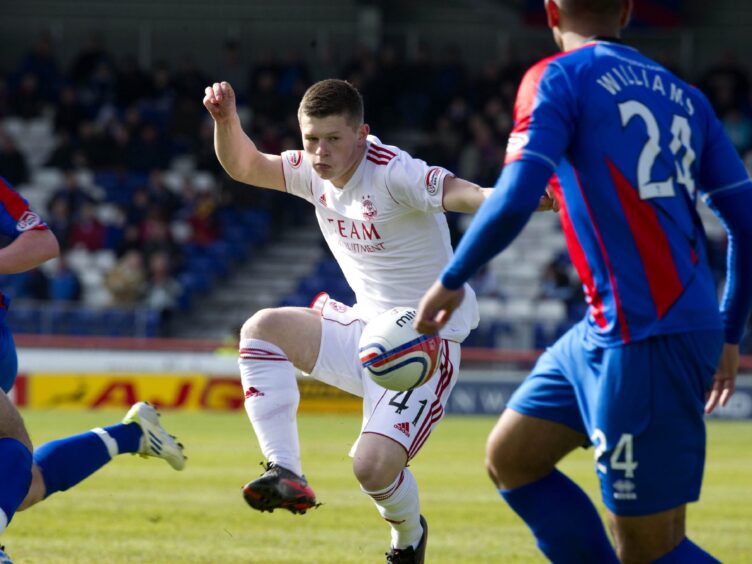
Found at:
<point>337,306</point>
<point>367,208</point>
<point>433,179</point>
<point>516,143</point>
<point>295,158</point>
<point>29,220</point>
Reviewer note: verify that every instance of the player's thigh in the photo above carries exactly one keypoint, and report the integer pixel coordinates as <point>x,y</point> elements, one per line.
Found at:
<point>542,422</point>
<point>647,537</point>
<point>522,449</point>
<point>646,422</point>
<point>408,418</point>
<point>338,363</point>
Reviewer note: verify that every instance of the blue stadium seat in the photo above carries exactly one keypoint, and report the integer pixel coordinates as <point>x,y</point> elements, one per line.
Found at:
<point>22,319</point>
<point>118,323</point>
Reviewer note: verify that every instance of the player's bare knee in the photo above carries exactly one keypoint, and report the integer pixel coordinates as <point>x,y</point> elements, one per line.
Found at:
<point>374,474</point>
<point>264,325</point>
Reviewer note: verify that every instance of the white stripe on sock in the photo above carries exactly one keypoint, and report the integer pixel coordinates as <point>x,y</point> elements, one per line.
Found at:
<point>109,442</point>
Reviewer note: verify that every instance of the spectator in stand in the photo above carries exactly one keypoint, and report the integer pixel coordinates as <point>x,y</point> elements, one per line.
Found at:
<point>726,84</point>
<point>126,282</point>
<point>148,150</point>
<point>27,101</point>
<point>89,58</point>
<point>557,284</point>
<point>203,221</point>
<point>40,62</point>
<point>156,237</point>
<point>73,194</point>
<point>486,283</point>
<point>161,86</point>
<point>131,240</point>
<point>738,127</point>
<point>59,220</point>
<point>133,84</point>
<point>63,283</point>
<point>12,162</point>
<point>138,208</point>
<point>161,196</point>
<point>87,232</point>
<point>163,290</point>
<point>69,112</point>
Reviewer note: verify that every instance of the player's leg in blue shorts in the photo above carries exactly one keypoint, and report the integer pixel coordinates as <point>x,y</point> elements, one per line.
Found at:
<point>641,404</point>
<point>523,453</point>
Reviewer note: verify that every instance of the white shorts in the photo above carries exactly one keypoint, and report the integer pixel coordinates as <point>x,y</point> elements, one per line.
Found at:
<point>405,417</point>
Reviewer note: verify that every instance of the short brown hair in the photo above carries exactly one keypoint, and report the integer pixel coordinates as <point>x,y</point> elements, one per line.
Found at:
<point>332,97</point>
<point>591,7</point>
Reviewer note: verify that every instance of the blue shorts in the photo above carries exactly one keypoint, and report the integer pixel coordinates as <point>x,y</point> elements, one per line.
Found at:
<point>8,359</point>
<point>641,404</point>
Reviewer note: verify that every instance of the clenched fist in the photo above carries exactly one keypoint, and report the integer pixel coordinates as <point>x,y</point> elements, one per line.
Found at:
<point>219,99</point>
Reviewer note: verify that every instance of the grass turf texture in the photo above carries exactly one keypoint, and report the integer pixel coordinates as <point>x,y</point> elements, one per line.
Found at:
<point>137,510</point>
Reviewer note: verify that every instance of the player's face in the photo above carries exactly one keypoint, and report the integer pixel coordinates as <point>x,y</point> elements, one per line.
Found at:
<point>334,147</point>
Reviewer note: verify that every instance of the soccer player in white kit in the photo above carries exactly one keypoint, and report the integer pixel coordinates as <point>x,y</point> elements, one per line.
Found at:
<point>382,215</point>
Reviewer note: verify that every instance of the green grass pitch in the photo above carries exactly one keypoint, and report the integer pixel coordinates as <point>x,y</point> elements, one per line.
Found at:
<point>137,510</point>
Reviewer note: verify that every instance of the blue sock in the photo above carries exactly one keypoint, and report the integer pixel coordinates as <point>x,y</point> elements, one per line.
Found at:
<point>564,521</point>
<point>15,477</point>
<point>65,462</point>
<point>687,552</point>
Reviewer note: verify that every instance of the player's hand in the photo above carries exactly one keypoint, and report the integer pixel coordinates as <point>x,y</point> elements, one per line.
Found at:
<point>724,380</point>
<point>547,202</point>
<point>219,99</point>
<point>436,308</point>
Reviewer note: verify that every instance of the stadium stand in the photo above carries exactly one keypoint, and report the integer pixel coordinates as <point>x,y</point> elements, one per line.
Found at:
<point>118,158</point>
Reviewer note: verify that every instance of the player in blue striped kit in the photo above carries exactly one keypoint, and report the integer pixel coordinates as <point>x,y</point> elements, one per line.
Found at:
<point>27,478</point>
<point>628,148</point>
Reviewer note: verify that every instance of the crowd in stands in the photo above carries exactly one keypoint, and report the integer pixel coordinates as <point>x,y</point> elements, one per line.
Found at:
<point>125,156</point>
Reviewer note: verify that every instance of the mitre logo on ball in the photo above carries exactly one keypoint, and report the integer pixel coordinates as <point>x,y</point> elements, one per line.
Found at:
<point>394,354</point>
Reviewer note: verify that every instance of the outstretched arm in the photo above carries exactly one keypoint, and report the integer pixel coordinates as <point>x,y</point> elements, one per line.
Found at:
<point>465,197</point>
<point>236,152</point>
<point>28,250</point>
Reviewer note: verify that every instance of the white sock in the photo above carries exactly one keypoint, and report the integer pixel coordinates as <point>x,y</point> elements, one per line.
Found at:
<point>271,401</point>
<point>3,521</point>
<point>399,505</point>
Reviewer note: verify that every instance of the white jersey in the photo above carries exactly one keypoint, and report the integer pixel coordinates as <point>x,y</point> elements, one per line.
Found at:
<point>386,229</point>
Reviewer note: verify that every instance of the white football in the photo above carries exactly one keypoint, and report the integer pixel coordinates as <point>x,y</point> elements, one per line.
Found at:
<point>394,354</point>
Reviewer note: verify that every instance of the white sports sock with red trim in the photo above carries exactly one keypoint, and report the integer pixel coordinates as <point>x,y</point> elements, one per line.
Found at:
<point>271,401</point>
<point>399,505</point>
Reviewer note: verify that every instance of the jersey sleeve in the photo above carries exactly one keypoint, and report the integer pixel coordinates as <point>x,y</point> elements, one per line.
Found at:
<point>16,217</point>
<point>721,169</point>
<point>297,171</point>
<point>727,189</point>
<point>415,184</point>
<point>544,116</point>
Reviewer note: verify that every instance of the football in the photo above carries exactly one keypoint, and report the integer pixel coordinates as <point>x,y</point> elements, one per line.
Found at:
<point>395,355</point>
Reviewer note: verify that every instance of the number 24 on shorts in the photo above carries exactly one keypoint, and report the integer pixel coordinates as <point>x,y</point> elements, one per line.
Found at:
<point>622,457</point>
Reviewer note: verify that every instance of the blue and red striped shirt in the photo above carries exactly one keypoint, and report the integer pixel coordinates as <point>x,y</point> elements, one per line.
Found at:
<point>631,147</point>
